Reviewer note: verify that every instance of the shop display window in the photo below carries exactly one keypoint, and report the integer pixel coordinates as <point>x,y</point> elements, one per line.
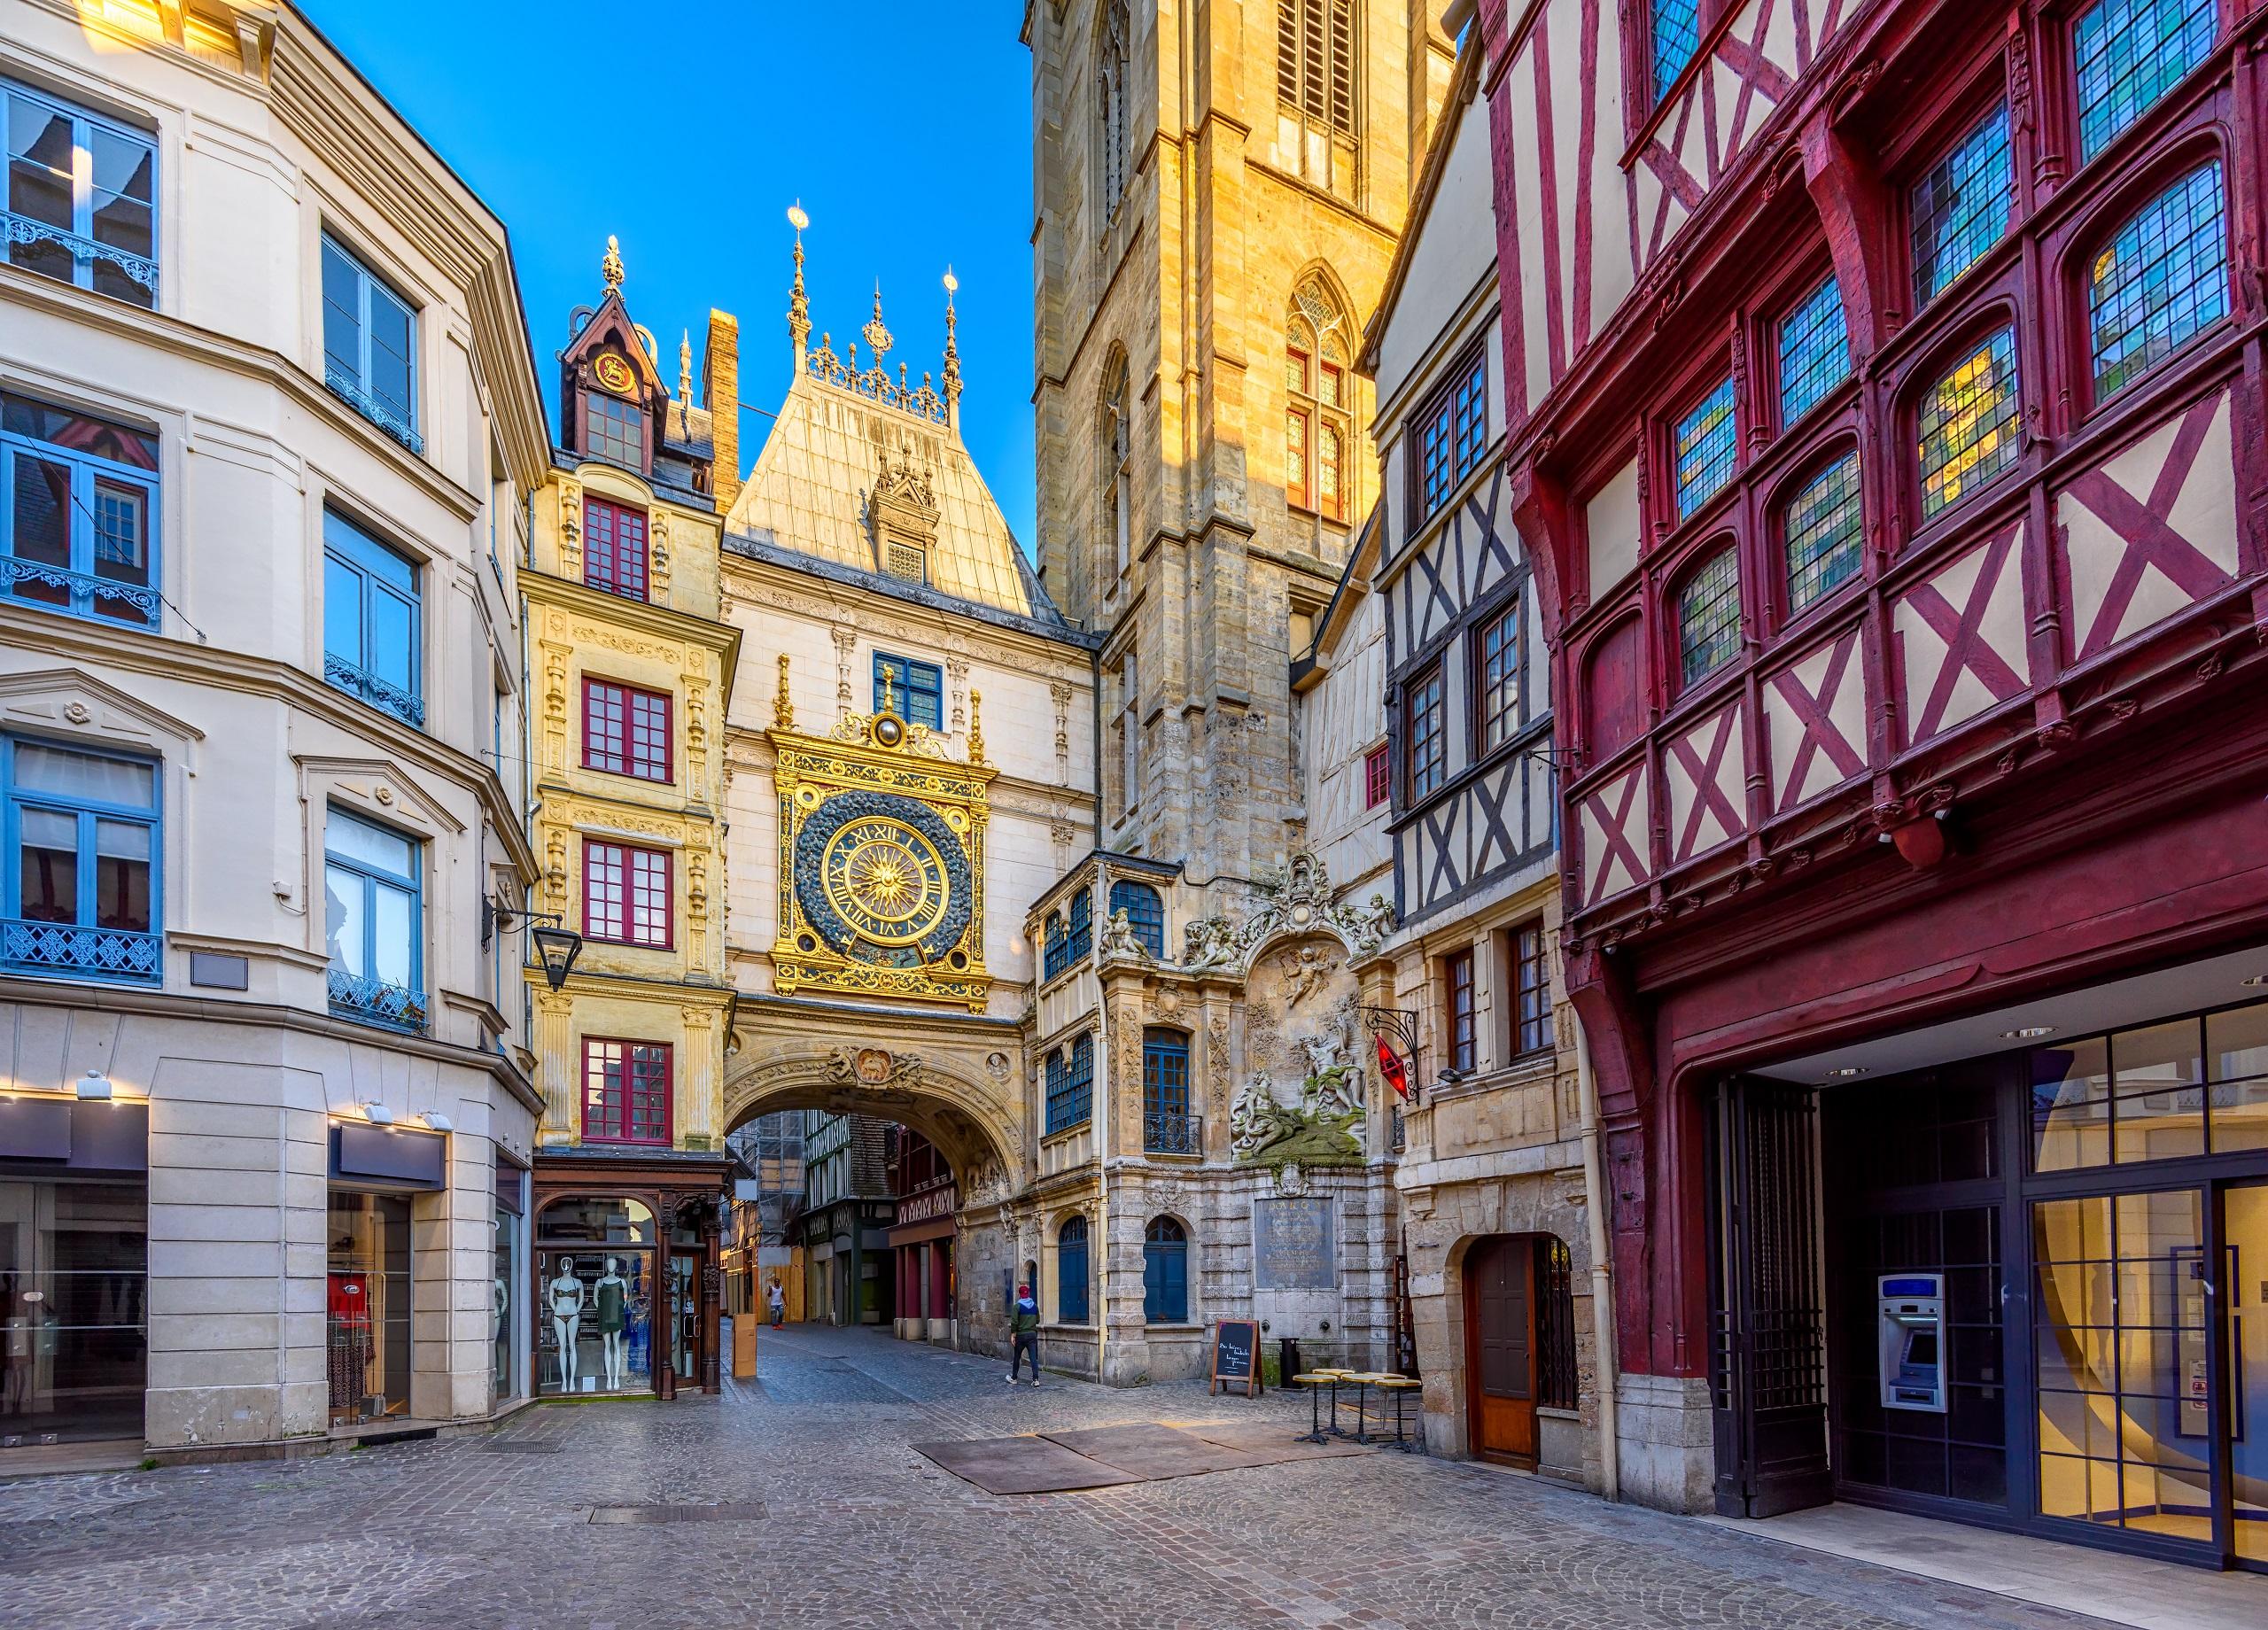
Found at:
<point>74,1318</point>
<point>594,1322</point>
<point>366,1357</point>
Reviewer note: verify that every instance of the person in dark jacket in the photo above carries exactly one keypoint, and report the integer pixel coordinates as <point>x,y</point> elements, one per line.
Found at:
<point>1023,1320</point>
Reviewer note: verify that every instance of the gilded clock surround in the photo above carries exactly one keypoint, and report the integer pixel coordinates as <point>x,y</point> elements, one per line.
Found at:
<point>882,862</point>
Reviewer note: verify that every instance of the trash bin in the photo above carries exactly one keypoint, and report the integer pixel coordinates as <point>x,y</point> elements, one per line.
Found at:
<point>1288,1359</point>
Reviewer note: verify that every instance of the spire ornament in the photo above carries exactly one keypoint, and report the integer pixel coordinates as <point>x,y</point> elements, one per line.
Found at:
<point>783,706</point>
<point>878,338</point>
<point>977,726</point>
<point>799,305</point>
<point>611,264</point>
<point>952,380</point>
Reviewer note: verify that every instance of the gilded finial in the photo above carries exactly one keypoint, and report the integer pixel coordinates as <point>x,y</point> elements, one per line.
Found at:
<point>685,366</point>
<point>879,339</point>
<point>890,688</point>
<point>610,266</point>
<point>977,726</point>
<point>783,706</point>
<point>799,305</point>
<point>952,380</point>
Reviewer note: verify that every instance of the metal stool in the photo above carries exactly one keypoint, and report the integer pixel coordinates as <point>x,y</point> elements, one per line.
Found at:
<point>1314,1380</point>
<point>1401,1387</point>
<point>1334,1377</point>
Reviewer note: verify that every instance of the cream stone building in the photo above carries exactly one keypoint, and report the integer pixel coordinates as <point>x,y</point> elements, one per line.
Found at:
<point>1496,1177</point>
<point>267,421</point>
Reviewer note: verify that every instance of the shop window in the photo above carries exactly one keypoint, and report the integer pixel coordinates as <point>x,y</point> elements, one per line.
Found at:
<point>80,891</point>
<point>367,1310</point>
<point>912,690</point>
<point>1424,715</point>
<point>1071,1085</point>
<point>1071,1272</point>
<point>1532,990</point>
<point>78,512</point>
<point>1145,914</point>
<point>1168,1128</point>
<point>1165,1272</point>
<point>74,1320</point>
<point>369,345</point>
<point>1676,36</point>
<point>594,1330</point>
<point>2128,53</point>
<point>1457,1009</point>
<point>1451,435</point>
<point>625,1091</point>
<point>614,548</point>
<point>1378,776</point>
<point>1823,527</point>
<point>1708,617</point>
<point>614,430</point>
<point>2162,278</point>
<point>626,894</point>
<point>625,730</point>
<point>1962,206</point>
<point>372,609</point>
<point>1814,351</point>
<point>1970,424</point>
<point>80,199</point>
<point>2162,1091</point>
<point>374,932</point>
<point>1707,444</point>
<point>1497,682</point>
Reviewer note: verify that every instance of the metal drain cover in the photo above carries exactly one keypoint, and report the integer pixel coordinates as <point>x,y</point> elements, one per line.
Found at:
<point>739,1511</point>
<point>523,1446</point>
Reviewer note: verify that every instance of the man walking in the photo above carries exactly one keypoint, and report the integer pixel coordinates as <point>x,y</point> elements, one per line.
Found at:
<point>778,1300</point>
<point>1024,1322</point>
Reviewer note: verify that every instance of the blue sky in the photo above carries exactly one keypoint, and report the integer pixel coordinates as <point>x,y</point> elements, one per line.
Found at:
<point>687,127</point>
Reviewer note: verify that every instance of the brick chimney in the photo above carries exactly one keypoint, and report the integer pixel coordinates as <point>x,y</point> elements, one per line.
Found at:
<point>720,394</point>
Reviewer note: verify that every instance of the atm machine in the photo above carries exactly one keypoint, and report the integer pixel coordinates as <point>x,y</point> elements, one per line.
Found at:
<point>1913,1344</point>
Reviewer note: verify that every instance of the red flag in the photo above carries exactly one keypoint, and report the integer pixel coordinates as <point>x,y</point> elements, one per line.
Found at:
<point>1390,1066</point>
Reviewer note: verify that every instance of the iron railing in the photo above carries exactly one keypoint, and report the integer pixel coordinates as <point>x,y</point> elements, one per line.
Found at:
<point>1164,1134</point>
<point>140,270</point>
<point>349,390</point>
<point>69,948</point>
<point>81,592</point>
<point>383,694</point>
<point>373,1001</point>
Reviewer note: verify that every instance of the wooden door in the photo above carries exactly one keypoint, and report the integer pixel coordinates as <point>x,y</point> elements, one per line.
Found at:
<point>1500,1349</point>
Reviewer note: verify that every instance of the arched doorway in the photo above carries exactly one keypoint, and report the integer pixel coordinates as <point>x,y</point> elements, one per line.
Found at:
<point>1519,1342</point>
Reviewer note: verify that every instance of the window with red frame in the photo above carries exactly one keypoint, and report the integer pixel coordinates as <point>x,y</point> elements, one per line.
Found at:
<point>1377,777</point>
<point>625,730</point>
<point>626,894</point>
<point>625,1091</point>
<point>614,548</point>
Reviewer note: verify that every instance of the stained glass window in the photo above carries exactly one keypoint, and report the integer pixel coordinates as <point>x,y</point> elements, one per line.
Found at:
<point>2162,278</point>
<point>1960,208</point>
<point>1824,524</point>
<point>1707,441</point>
<point>1677,35</point>
<point>2128,53</point>
<point>1814,351</point>
<point>1708,617</point>
<point>1969,424</point>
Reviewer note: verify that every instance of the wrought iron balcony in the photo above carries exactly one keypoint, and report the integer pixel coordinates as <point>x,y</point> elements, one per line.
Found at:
<point>87,953</point>
<point>373,1001</point>
<point>1173,1134</point>
<point>1401,1133</point>
<point>349,390</point>
<point>79,593</point>
<point>377,692</point>
<point>138,269</point>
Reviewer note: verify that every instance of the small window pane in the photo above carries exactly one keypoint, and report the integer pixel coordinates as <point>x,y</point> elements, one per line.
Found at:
<point>1814,351</point>
<point>1969,433</point>
<point>2070,1109</point>
<point>1962,207</point>
<point>1500,679</point>
<point>342,311</point>
<point>1677,35</point>
<point>2128,53</point>
<point>393,923</point>
<point>84,778</point>
<point>2162,279</point>
<point>47,865</point>
<point>1706,445</point>
<point>1423,731</point>
<point>1708,617</point>
<point>1824,527</point>
<point>40,163</point>
<point>373,846</point>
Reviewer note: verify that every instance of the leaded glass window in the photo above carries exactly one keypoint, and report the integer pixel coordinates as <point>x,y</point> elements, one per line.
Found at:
<point>1677,35</point>
<point>1814,351</point>
<point>2162,278</point>
<point>1708,617</point>
<point>615,430</point>
<point>1824,524</point>
<point>2128,53</point>
<point>1707,443</point>
<point>1969,424</point>
<point>1960,208</point>
<point>1145,914</point>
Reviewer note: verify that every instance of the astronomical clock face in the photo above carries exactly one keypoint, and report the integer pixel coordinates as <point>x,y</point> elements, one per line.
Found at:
<point>885,879</point>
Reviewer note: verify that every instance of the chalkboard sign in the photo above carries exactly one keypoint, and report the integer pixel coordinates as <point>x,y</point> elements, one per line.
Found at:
<point>1236,1356</point>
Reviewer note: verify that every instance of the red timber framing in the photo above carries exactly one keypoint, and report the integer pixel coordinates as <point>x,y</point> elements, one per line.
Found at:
<point>2023,744</point>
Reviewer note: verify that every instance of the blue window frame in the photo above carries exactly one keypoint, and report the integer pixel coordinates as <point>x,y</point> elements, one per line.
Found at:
<point>1071,1086</point>
<point>1677,35</point>
<point>1071,1272</point>
<point>369,345</point>
<point>1165,1272</point>
<point>1452,432</point>
<point>1708,443</point>
<point>1962,207</point>
<point>1051,943</point>
<point>373,908</point>
<point>1168,1128</point>
<point>1814,351</point>
<point>2163,277</point>
<point>2128,53</point>
<point>914,690</point>
<point>79,196</point>
<point>371,612</point>
<point>1144,911</point>
<point>82,891</point>
<point>78,512</point>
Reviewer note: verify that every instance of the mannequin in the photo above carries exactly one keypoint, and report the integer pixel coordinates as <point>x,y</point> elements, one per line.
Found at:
<point>566,1299</point>
<point>612,1294</point>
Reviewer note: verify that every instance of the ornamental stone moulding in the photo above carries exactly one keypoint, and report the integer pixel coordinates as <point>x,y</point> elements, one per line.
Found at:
<point>1292,899</point>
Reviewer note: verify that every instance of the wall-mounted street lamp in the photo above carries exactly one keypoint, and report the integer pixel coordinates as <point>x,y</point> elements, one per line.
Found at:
<point>557,945</point>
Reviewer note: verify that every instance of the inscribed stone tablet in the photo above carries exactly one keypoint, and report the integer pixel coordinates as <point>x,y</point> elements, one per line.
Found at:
<point>1294,1245</point>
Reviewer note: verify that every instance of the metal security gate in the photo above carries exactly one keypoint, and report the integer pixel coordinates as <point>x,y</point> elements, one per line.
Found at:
<point>1768,1337</point>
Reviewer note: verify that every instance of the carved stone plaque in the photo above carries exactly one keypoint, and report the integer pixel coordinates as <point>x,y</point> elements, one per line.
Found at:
<point>1294,1245</point>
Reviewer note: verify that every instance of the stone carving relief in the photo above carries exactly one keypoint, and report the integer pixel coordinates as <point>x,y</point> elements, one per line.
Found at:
<point>1119,943</point>
<point>1293,898</point>
<point>1301,1100</point>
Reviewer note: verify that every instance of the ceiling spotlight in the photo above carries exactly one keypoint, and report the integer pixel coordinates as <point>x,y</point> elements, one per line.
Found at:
<point>1848,1069</point>
<point>435,1121</point>
<point>95,1086</point>
<point>377,1115</point>
<point>2027,1032</point>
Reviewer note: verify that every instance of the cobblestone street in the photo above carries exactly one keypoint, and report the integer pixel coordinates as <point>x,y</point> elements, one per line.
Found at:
<point>821,1515</point>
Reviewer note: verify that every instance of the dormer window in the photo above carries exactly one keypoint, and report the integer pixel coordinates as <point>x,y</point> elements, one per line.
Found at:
<point>908,560</point>
<point>614,430</point>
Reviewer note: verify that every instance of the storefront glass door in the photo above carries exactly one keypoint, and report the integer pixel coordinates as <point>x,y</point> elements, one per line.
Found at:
<point>685,1316</point>
<point>2244,1226</point>
<point>366,1323</point>
<point>73,1321</point>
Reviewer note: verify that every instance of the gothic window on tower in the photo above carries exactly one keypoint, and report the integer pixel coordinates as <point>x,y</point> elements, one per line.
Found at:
<point>1129,734</point>
<point>1115,442</point>
<point>1315,90</point>
<point>1112,61</point>
<point>1317,432</point>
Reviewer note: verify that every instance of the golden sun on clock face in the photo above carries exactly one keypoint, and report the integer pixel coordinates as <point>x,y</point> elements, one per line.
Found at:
<point>886,880</point>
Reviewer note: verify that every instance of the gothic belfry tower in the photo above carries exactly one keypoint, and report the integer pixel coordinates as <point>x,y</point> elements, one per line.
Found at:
<point>1218,201</point>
